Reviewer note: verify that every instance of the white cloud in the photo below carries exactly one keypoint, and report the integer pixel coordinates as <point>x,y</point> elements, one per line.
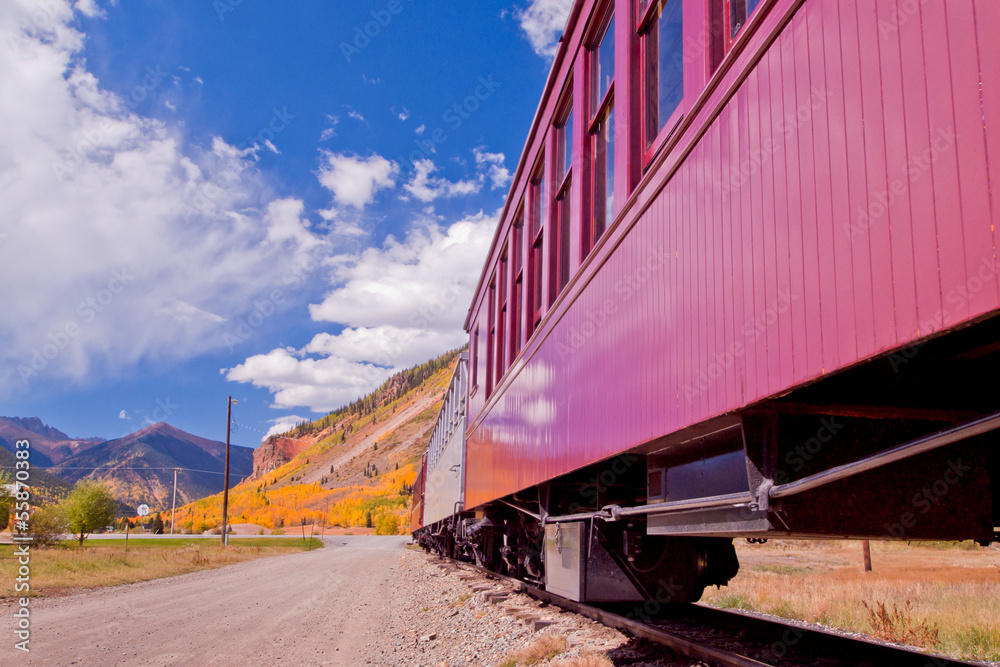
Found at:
<point>542,22</point>
<point>420,130</point>
<point>123,415</point>
<point>284,425</point>
<point>496,170</point>
<point>404,114</point>
<point>354,180</point>
<point>330,132</point>
<point>425,188</point>
<point>124,242</point>
<point>400,304</point>
<point>356,115</point>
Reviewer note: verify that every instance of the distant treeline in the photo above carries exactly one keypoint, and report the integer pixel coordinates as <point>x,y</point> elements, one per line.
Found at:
<point>396,386</point>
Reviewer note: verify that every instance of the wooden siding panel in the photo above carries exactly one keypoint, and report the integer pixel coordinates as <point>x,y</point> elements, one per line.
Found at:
<point>809,352</point>
<point>987,28</point>
<point>972,170</point>
<point>883,307</point>
<point>826,230</point>
<point>944,163</point>
<point>897,216</point>
<point>922,222</point>
<point>856,176</point>
<point>839,166</point>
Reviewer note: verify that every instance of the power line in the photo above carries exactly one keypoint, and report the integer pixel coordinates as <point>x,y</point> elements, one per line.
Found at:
<point>210,472</point>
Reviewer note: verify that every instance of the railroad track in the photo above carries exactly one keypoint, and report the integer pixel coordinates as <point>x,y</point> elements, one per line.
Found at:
<point>733,639</point>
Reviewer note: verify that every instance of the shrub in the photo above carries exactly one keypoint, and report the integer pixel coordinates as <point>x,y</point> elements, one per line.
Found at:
<point>46,526</point>
<point>387,525</point>
<point>897,624</point>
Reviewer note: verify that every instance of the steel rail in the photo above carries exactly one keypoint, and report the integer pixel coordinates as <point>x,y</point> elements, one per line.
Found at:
<point>788,635</point>
<point>675,642</point>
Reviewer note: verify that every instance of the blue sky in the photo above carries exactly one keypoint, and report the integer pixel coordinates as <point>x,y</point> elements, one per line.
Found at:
<point>248,198</point>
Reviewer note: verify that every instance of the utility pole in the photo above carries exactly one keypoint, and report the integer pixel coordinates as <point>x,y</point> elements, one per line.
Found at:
<point>173,506</point>
<point>225,489</point>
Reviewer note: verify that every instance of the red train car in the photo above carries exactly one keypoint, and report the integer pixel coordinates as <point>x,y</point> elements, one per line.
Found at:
<point>745,284</point>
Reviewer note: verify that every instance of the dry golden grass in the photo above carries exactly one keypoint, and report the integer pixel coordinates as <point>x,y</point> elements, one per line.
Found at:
<point>105,563</point>
<point>547,646</point>
<point>586,660</point>
<point>944,597</point>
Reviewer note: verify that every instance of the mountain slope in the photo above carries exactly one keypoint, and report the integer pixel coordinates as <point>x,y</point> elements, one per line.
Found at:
<point>139,467</point>
<point>45,488</point>
<point>48,445</point>
<point>352,466</point>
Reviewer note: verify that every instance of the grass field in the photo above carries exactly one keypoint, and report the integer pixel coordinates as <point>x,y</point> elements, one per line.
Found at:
<point>67,567</point>
<point>938,596</point>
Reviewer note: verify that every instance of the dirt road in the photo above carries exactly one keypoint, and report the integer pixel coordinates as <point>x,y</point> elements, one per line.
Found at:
<point>314,608</point>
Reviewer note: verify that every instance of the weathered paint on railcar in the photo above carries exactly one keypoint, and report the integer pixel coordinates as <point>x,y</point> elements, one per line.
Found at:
<point>826,201</point>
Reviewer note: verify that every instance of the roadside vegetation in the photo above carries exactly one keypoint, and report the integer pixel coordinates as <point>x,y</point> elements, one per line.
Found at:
<point>941,597</point>
<point>100,563</point>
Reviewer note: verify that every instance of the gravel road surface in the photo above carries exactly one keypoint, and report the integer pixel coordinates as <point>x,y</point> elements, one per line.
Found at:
<point>361,600</point>
<point>306,608</point>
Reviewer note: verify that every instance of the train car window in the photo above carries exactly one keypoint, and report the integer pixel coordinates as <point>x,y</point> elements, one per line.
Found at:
<point>474,359</point>
<point>563,203</point>
<point>603,62</point>
<point>662,33</point>
<point>491,331</point>
<point>517,294</point>
<point>739,12</point>
<point>600,156</point>
<point>501,344</point>
<point>536,234</point>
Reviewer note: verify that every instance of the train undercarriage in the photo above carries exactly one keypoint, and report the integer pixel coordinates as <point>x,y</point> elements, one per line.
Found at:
<point>903,447</point>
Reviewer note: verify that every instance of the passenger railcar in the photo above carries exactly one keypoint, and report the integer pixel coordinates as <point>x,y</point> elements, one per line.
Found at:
<point>745,284</point>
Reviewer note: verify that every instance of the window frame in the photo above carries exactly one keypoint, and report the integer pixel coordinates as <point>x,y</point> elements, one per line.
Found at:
<point>535,246</point>
<point>517,285</point>
<point>649,12</point>
<point>599,113</point>
<point>561,210</point>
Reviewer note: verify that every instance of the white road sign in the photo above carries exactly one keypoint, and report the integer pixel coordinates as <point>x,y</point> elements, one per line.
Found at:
<point>143,510</point>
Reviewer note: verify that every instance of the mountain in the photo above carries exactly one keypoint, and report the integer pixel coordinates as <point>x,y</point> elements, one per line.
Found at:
<point>139,468</point>
<point>45,488</point>
<point>48,445</point>
<point>339,425</point>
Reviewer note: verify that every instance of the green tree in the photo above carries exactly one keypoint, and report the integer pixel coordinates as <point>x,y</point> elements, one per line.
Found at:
<point>157,524</point>
<point>368,519</point>
<point>46,526</point>
<point>6,500</point>
<point>89,506</point>
<point>387,525</point>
